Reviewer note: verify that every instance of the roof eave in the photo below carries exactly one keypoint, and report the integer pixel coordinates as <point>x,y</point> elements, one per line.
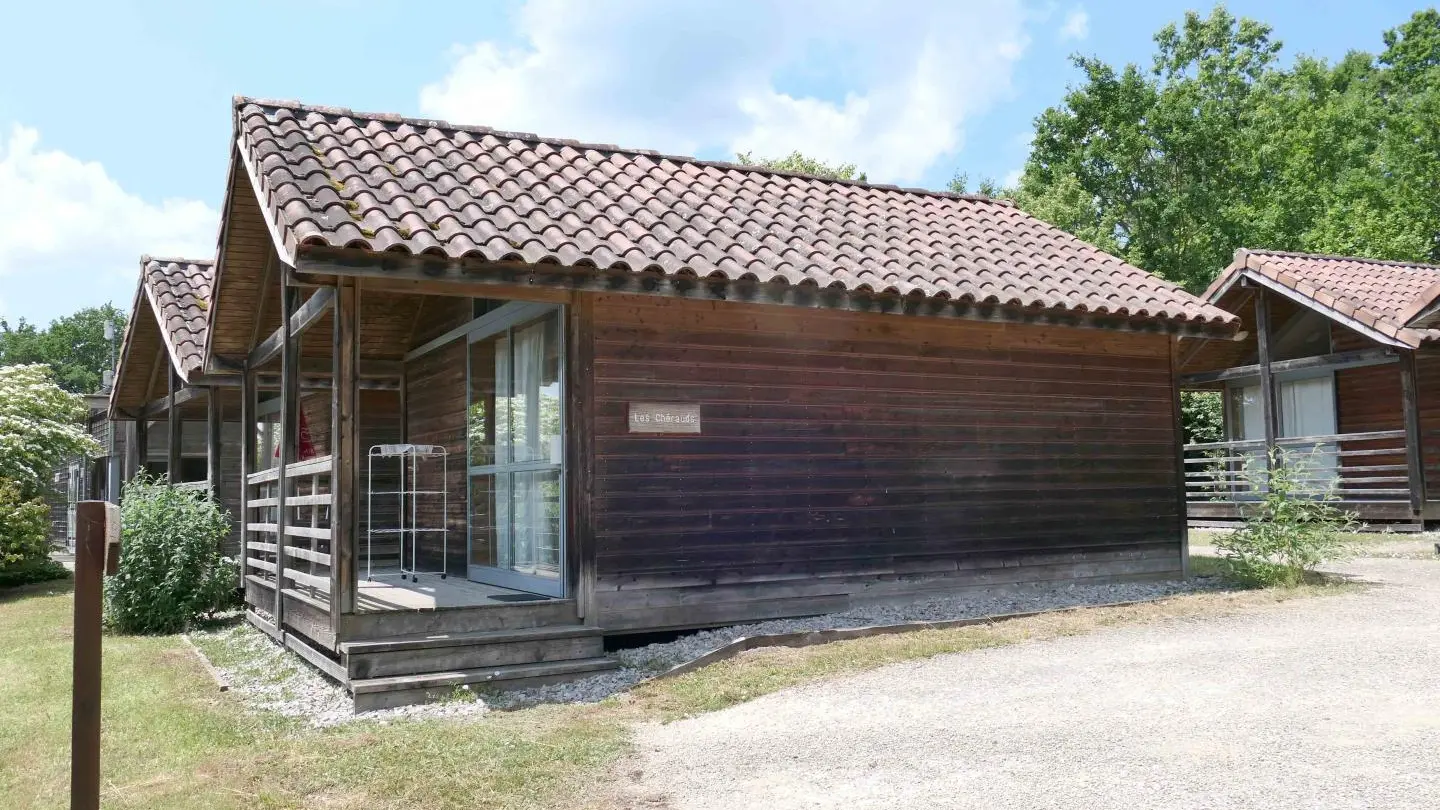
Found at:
<point>1253,271</point>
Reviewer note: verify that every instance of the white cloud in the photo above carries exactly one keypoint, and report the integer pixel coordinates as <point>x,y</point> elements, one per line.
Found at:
<point>70,236</point>
<point>1077,25</point>
<point>1012,178</point>
<point>886,85</point>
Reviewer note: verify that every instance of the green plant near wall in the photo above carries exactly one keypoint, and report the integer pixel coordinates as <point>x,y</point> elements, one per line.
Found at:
<point>1293,527</point>
<point>171,570</point>
<point>24,546</point>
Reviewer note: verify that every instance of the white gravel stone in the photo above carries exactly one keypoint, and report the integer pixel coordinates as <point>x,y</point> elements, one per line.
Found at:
<point>271,679</point>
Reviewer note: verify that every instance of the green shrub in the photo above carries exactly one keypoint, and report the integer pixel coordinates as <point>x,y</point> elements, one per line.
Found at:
<point>1292,528</point>
<point>24,538</point>
<point>171,570</point>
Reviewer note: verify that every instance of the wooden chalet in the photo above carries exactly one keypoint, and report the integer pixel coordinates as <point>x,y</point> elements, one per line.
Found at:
<point>670,393</point>
<point>165,416</point>
<point>1338,368</point>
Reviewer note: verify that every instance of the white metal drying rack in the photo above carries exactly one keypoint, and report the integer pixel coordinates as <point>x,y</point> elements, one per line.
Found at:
<point>407,494</point>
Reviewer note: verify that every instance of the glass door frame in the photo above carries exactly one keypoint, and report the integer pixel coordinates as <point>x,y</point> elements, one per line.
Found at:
<point>492,323</point>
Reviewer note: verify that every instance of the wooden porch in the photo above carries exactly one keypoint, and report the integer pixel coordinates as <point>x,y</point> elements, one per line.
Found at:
<point>1364,473</point>
<point>390,638</point>
<point>1373,394</point>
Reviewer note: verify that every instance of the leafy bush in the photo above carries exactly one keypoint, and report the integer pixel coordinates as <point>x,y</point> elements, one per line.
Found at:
<point>40,425</point>
<point>171,570</point>
<point>24,533</point>
<point>1202,416</point>
<point>1290,530</point>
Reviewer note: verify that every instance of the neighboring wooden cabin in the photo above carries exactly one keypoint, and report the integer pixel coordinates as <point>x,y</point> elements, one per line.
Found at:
<point>82,478</point>
<point>1339,368</point>
<point>673,394</point>
<point>163,414</point>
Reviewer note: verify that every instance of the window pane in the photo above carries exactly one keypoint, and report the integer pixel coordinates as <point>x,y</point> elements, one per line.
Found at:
<point>484,419</point>
<point>534,541</point>
<point>535,403</point>
<point>483,520</point>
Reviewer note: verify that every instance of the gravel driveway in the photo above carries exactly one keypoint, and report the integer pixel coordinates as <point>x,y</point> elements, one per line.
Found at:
<point>1330,702</point>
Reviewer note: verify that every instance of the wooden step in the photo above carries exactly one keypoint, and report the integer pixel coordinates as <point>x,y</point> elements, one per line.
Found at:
<point>388,657</point>
<point>438,621</point>
<point>402,690</point>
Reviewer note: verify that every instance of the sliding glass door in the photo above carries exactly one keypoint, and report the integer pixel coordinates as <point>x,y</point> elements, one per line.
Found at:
<point>517,449</point>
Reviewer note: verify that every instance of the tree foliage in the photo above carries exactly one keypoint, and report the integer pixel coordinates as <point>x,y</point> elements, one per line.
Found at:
<point>40,425</point>
<point>73,346</point>
<point>1202,416</point>
<point>1217,146</point>
<point>797,162</point>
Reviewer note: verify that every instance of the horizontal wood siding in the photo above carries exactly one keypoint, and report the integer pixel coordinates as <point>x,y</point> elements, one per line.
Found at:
<point>435,414</point>
<point>1427,390</point>
<point>847,456</point>
<point>1368,399</point>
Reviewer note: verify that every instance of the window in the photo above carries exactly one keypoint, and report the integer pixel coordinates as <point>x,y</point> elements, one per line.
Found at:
<point>517,453</point>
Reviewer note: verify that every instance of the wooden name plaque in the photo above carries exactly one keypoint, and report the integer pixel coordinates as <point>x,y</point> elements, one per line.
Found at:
<point>664,417</point>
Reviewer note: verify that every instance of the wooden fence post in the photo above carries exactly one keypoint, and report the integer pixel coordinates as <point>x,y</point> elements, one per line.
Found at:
<point>97,526</point>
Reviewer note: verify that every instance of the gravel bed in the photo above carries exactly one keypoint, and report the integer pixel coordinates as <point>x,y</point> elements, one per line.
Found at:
<point>639,663</point>
<point>271,679</point>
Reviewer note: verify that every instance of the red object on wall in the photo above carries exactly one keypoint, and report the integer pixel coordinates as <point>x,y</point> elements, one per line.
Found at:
<point>307,447</point>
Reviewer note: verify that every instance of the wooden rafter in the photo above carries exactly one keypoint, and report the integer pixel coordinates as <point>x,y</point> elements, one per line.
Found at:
<point>305,316</point>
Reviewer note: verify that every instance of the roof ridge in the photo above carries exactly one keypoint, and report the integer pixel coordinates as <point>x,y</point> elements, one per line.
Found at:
<point>1336,257</point>
<point>480,129</point>
<point>146,258</point>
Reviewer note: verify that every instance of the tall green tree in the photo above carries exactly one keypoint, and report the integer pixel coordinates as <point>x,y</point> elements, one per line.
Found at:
<point>73,346</point>
<point>797,162</point>
<point>1218,146</point>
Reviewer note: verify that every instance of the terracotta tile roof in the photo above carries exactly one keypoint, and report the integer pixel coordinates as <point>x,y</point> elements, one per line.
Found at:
<point>1380,295</point>
<point>337,178</point>
<point>179,294</point>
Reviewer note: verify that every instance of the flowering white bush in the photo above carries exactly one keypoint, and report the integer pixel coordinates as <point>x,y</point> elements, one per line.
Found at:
<point>40,425</point>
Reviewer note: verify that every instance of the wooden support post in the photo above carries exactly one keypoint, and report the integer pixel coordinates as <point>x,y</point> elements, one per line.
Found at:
<point>1414,439</point>
<point>289,435</point>
<point>213,421</point>
<point>580,438</point>
<point>1267,382</point>
<point>345,451</point>
<point>97,523</point>
<point>142,444</point>
<point>247,462</point>
<point>172,430</point>
<point>1177,426</point>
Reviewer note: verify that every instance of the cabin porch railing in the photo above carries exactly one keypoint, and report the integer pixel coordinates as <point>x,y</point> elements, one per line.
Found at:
<point>1350,467</point>
<point>307,504</point>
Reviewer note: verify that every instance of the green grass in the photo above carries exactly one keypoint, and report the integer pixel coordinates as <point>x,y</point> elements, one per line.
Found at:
<point>171,740</point>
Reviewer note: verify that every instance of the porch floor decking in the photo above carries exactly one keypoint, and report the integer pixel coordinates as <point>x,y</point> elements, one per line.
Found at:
<point>387,591</point>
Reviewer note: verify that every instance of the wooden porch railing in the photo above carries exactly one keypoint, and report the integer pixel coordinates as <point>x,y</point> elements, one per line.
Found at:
<point>307,501</point>
<point>1352,467</point>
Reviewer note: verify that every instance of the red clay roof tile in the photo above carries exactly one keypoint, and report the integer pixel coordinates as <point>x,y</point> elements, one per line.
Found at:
<point>1383,295</point>
<point>179,294</point>
<point>336,178</point>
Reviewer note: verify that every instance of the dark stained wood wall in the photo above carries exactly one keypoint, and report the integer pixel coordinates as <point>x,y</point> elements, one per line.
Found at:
<point>848,457</point>
<point>1427,391</point>
<point>1366,398</point>
<point>435,414</point>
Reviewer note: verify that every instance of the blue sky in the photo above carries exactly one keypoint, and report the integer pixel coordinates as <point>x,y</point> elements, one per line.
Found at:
<point>115,116</point>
